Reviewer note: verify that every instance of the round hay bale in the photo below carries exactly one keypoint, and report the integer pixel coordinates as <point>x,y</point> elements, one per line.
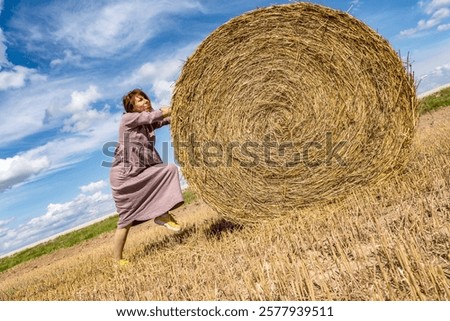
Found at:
<point>288,106</point>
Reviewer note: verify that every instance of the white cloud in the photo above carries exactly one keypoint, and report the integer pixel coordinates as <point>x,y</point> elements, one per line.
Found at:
<point>83,127</point>
<point>429,64</point>
<point>93,187</point>
<point>24,113</point>
<point>72,149</point>
<point>437,10</point>
<point>92,204</point>
<point>165,69</point>
<point>17,76</point>
<point>5,222</point>
<point>440,70</point>
<point>84,121</point>
<point>439,15</point>
<point>97,29</point>
<point>13,76</point>
<point>161,74</point>
<point>431,6</point>
<point>439,76</point>
<point>15,170</point>
<point>59,153</point>
<point>79,113</point>
<point>69,59</point>
<point>80,206</point>
<point>444,27</point>
<point>61,101</point>
<point>80,101</point>
<point>46,105</point>
<point>3,58</point>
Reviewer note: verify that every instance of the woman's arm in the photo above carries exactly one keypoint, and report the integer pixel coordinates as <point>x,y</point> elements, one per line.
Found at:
<point>167,111</point>
<point>165,121</point>
<point>166,117</point>
<point>154,117</point>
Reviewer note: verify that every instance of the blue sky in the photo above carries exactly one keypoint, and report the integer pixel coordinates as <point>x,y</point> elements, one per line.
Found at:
<point>64,66</point>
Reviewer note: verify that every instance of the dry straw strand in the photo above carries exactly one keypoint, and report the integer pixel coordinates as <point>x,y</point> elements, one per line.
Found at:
<point>290,106</point>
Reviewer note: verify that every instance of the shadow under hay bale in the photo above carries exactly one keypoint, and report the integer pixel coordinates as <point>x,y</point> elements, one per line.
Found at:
<point>290,106</point>
<point>222,226</point>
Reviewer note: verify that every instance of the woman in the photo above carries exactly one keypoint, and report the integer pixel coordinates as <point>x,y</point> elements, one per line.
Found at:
<point>143,187</point>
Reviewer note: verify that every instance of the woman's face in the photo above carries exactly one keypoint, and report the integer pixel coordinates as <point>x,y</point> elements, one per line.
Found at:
<point>141,104</point>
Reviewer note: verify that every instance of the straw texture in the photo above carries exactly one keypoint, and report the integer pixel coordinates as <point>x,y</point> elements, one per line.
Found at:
<point>289,106</point>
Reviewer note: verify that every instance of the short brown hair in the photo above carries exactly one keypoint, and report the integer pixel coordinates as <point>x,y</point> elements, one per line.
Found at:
<point>128,99</point>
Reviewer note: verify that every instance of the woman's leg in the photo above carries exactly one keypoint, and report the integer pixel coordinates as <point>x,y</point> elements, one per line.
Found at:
<point>119,241</point>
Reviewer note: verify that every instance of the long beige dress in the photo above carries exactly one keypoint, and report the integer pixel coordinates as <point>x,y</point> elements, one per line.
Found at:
<point>143,187</point>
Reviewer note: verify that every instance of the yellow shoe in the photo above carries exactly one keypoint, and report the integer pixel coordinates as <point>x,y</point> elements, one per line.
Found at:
<point>123,262</point>
<point>168,221</point>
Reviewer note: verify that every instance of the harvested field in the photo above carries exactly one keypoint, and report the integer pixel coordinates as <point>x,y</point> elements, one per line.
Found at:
<point>389,242</point>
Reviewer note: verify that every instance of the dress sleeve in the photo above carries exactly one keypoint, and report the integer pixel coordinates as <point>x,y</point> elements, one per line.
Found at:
<point>132,120</point>
<point>165,121</point>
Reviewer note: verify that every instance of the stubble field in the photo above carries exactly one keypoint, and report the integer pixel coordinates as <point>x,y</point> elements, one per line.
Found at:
<point>389,242</point>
